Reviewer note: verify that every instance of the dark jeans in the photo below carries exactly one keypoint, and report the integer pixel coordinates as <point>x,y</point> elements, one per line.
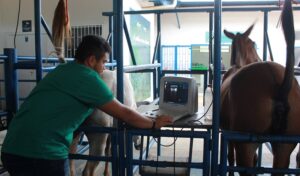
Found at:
<point>23,166</point>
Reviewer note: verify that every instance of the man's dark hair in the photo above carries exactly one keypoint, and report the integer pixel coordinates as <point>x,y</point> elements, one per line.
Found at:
<point>92,45</point>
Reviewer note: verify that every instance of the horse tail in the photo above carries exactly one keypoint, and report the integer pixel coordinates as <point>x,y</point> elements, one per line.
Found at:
<point>61,28</point>
<point>281,106</point>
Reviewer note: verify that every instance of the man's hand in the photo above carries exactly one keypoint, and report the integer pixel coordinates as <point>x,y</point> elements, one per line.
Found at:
<point>162,120</point>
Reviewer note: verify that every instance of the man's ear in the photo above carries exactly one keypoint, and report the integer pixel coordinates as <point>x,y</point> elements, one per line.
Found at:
<point>90,61</point>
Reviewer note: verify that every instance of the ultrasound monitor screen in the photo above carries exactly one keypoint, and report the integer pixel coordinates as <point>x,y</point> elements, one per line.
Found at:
<point>176,92</point>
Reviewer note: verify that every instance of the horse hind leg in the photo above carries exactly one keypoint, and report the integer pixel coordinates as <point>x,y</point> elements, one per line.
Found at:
<point>231,156</point>
<point>246,155</point>
<point>281,153</point>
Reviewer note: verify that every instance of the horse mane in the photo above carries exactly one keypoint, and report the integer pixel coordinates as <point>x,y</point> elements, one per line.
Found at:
<point>233,54</point>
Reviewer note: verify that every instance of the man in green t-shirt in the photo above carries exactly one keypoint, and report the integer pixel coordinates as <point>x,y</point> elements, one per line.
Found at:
<point>38,138</point>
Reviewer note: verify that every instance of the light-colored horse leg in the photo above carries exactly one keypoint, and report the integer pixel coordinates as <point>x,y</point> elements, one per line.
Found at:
<point>137,142</point>
<point>107,153</point>
<point>97,142</point>
<point>245,155</point>
<point>73,150</point>
<point>281,153</point>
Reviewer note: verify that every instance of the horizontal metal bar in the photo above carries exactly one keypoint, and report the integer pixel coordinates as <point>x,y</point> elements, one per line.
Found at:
<point>184,72</point>
<point>196,10</point>
<point>3,114</point>
<point>263,170</point>
<point>48,69</point>
<point>237,136</point>
<point>167,163</point>
<point>26,65</point>
<point>140,67</point>
<point>170,133</point>
<point>27,80</point>
<point>90,157</point>
<point>141,71</point>
<point>3,57</point>
<point>44,58</point>
<point>97,129</point>
<point>111,64</point>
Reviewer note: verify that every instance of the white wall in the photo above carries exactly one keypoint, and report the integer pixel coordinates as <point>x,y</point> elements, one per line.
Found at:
<point>194,25</point>
<point>191,31</point>
<point>81,13</point>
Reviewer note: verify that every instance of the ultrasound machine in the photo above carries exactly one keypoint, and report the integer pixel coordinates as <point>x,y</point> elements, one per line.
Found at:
<point>178,98</point>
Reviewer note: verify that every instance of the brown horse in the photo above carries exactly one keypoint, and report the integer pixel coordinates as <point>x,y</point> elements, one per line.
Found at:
<point>261,97</point>
<point>243,53</point>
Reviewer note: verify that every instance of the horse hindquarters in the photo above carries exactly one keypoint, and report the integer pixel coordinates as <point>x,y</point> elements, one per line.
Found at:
<point>251,93</point>
<point>247,107</point>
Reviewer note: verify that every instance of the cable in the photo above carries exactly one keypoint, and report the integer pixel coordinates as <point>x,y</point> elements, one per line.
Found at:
<point>175,138</point>
<point>18,18</point>
<point>168,145</point>
<point>198,120</point>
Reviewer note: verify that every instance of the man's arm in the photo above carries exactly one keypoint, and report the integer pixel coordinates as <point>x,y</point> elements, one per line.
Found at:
<point>132,117</point>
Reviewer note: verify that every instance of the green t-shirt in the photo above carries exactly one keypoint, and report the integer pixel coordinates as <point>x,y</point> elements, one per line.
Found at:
<point>44,125</point>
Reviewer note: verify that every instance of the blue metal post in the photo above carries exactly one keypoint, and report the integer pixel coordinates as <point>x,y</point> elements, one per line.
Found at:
<point>211,27</point>
<point>158,27</point>
<point>264,35</point>
<point>118,45</point>
<point>110,28</point>
<point>11,91</point>
<point>206,155</point>
<point>223,156</point>
<point>114,151</point>
<point>118,54</point>
<point>37,26</point>
<point>129,154</point>
<point>129,43</point>
<point>216,86</point>
<point>46,28</point>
